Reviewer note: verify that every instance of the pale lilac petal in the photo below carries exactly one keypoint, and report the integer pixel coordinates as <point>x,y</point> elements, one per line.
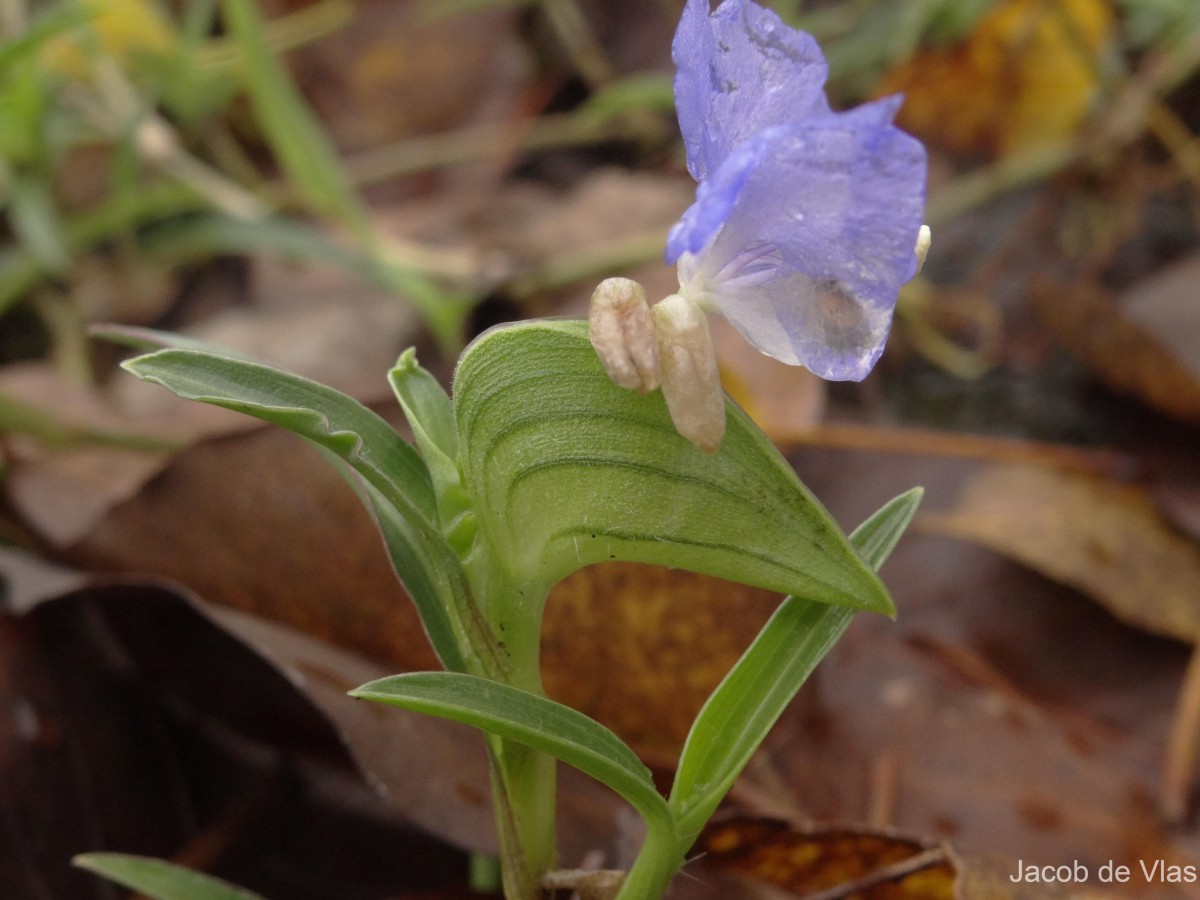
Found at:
<point>840,199</point>
<point>740,70</point>
<point>715,198</point>
<point>805,220</point>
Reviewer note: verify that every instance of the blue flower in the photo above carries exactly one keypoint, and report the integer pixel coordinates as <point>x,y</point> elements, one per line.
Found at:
<point>805,220</point>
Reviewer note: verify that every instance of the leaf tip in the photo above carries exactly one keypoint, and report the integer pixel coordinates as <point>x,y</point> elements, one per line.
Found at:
<point>406,362</point>
<point>133,366</point>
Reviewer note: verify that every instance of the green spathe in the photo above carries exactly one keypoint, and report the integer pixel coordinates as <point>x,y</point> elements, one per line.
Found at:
<point>566,469</point>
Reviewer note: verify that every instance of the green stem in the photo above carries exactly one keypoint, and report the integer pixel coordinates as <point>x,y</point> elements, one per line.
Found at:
<point>523,779</point>
<point>657,862</point>
<point>524,789</point>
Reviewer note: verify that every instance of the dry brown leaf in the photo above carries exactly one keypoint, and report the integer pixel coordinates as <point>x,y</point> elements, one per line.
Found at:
<point>884,865</point>
<point>62,494</point>
<point>607,211</point>
<point>1024,77</point>
<point>987,879</point>
<point>662,638</point>
<point>1127,356</point>
<point>1105,539</point>
<point>1166,307</point>
<point>268,684</point>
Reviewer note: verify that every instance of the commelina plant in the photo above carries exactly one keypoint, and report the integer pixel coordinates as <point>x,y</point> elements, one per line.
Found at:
<point>558,451</point>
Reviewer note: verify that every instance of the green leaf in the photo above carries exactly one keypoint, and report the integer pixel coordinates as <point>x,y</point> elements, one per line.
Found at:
<point>431,417</point>
<point>877,537</point>
<point>159,879</point>
<point>528,719</point>
<point>752,697</point>
<point>400,489</point>
<point>296,137</point>
<point>566,469</point>
<point>426,565</point>
<point>446,635</point>
<point>426,405</point>
<point>319,413</point>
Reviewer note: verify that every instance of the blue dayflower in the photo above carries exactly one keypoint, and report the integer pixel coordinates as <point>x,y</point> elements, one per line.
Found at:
<point>805,220</point>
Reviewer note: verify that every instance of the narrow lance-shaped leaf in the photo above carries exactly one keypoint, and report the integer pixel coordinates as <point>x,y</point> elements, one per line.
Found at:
<point>752,697</point>
<point>528,719</point>
<point>317,412</point>
<point>567,469</point>
<point>424,560</point>
<point>160,879</point>
<point>446,633</point>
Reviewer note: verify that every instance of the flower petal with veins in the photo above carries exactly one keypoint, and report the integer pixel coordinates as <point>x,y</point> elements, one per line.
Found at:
<point>806,221</point>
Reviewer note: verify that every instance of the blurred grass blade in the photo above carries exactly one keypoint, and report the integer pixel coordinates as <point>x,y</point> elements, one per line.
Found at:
<point>649,91</point>
<point>567,469</point>
<point>752,697</point>
<point>296,137</point>
<point>160,879</point>
<point>17,417</point>
<point>47,24</point>
<point>149,339</point>
<point>35,221</point>
<point>528,719</point>
<point>21,271</point>
<point>203,236</point>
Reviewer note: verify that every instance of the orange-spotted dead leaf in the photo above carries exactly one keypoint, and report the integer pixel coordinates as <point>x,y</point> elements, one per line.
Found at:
<point>1145,344</point>
<point>882,865</point>
<point>664,637</point>
<point>1024,78</point>
<point>1104,539</point>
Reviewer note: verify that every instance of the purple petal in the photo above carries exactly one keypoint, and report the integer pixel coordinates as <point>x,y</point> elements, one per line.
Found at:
<point>715,198</point>
<point>740,70</point>
<point>840,198</point>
